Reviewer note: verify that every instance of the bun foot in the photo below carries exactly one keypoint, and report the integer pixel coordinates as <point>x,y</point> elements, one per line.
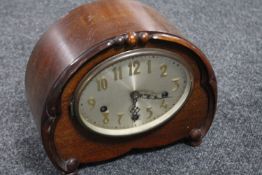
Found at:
<point>72,167</point>
<point>195,137</point>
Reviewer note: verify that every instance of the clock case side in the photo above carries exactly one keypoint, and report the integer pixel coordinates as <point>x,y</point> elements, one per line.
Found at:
<point>57,56</point>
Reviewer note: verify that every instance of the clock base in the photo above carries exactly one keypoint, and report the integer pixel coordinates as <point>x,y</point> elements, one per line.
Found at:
<point>194,140</point>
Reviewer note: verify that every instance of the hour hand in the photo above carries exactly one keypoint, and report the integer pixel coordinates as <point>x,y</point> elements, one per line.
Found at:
<point>135,95</point>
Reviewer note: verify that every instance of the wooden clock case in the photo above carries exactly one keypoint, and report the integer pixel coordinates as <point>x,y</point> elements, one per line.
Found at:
<point>84,38</point>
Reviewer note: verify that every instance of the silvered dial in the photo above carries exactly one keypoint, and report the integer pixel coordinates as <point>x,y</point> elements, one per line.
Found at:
<point>133,92</point>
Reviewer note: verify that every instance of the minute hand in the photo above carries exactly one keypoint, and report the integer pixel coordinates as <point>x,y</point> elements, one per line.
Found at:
<point>153,96</point>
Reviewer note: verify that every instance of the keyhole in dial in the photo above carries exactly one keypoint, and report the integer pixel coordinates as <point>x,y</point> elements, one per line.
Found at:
<point>103,109</point>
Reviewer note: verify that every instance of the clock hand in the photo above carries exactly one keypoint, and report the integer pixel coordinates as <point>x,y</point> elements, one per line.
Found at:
<point>135,95</point>
<point>154,96</point>
<point>134,109</point>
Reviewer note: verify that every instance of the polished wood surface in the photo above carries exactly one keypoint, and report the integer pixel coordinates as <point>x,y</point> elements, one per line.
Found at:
<point>81,29</point>
<point>85,37</point>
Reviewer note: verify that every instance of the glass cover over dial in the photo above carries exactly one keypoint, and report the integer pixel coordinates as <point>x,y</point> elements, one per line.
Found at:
<point>133,92</point>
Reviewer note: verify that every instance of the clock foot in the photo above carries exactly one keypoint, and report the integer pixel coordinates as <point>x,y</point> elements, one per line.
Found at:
<point>72,167</point>
<point>195,137</point>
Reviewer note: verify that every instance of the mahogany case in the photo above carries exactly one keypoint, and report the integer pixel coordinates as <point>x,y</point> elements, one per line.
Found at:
<point>82,39</point>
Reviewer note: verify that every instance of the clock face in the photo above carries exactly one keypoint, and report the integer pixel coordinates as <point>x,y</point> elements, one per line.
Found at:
<point>133,92</point>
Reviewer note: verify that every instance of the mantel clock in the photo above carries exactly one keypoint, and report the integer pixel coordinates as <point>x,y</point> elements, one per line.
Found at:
<point>112,76</point>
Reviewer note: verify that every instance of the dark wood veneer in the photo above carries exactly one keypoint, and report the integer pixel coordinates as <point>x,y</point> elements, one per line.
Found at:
<point>85,37</point>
